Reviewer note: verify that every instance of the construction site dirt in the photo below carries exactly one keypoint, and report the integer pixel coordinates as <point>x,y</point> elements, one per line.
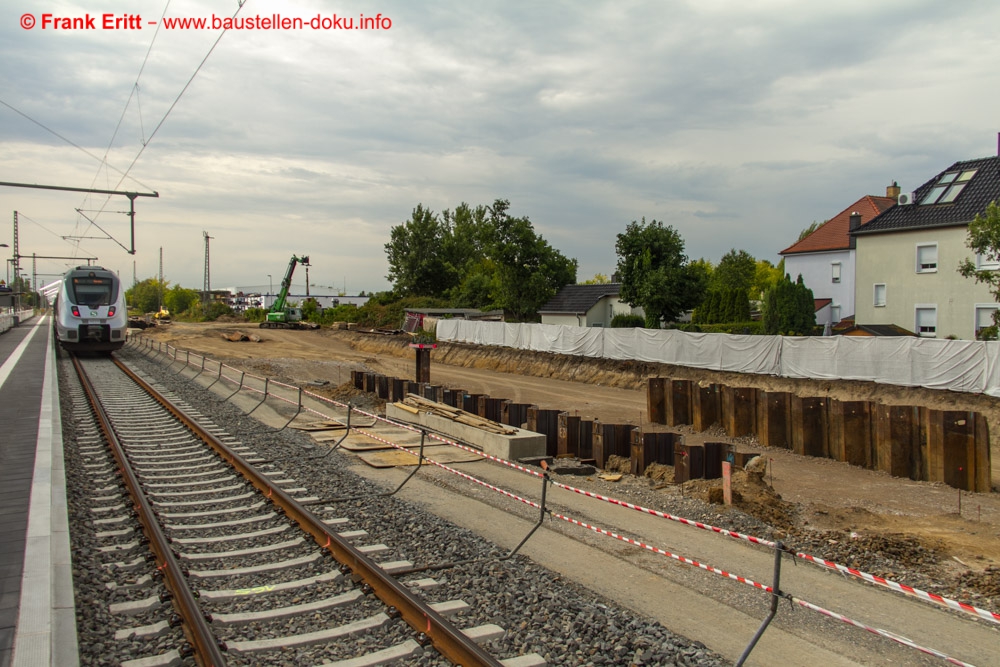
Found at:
<point>924,534</point>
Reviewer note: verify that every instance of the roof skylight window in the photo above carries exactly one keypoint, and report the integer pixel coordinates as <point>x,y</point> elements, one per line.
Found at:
<point>948,187</point>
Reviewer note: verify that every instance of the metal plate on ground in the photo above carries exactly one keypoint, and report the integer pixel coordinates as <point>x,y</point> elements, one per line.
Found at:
<point>390,458</point>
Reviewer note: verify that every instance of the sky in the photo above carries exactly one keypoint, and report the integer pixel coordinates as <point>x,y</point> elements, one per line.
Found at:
<point>738,123</point>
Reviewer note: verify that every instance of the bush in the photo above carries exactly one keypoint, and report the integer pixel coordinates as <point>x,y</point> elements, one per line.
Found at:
<point>254,314</point>
<point>627,321</point>
<point>750,328</point>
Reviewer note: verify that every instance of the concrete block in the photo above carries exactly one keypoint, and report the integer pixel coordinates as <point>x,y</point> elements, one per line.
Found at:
<point>511,447</point>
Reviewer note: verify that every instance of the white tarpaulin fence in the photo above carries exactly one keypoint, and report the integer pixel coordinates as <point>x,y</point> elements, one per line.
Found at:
<point>958,365</point>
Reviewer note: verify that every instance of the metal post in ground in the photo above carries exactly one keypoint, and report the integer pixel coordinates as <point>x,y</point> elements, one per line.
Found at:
<point>776,596</point>
<point>266,380</point>
<point>347,432</point>
<point>297,413</point>
<point>238,389</point>
<point>542,511</point>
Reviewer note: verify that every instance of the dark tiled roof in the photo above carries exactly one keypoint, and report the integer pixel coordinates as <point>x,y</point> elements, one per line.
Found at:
<point>835,233</point>
<point>875,330</point>
<point>981,190</point>
<point>578,299</point>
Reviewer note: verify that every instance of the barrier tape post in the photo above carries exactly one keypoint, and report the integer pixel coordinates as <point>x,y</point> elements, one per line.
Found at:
<point>217,378</point>
<point>261,400</point>
<point>420,462</point>
<point>297,413</point>
<point>238,389</point>
<point>776,596</point>
<point>347,432</point>
<point>187,360</point>
<point>202,368</point>
<point>542,511</point>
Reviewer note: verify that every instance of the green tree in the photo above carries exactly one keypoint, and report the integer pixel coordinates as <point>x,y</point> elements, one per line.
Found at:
<point>766,276</point>
<point>145,296</point>
<point>418,265</point>
<point>179,299</point>
<point>983,238</point>
<point>789,308</point>
<point>736,270</point>
<point>529,271</point>
<point>598,279</point>
<point>655,272</point>
<point>810,229</point>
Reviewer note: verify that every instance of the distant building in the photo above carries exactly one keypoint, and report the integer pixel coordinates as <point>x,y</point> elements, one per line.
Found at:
<point>586,306</point>
<point>825,259</point>
<point>908,257</point>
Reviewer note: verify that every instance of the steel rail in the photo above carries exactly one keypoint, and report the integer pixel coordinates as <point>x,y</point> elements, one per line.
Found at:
<point>448,640</point>
<point>196,628</point>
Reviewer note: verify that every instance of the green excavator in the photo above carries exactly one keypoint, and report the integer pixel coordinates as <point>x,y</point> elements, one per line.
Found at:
<point>280,316</point>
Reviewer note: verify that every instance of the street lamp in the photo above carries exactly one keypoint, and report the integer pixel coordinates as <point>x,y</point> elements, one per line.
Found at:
<point>271,284</point>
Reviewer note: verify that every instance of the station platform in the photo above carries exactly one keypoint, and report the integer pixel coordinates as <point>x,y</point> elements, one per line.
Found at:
<point>37,615</point>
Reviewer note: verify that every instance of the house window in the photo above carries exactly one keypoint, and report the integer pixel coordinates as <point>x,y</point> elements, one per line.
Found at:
<point>926,321</point>
<point>834,314</point>
<point>835,270</point>
<point>948,187</point>
<point>927,259</point>
<point>879,300</point>
<point>984,316</point>
<point>985,263</point>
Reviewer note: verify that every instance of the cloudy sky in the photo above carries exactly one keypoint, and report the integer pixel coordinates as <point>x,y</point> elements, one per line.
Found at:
<point>739,123</point>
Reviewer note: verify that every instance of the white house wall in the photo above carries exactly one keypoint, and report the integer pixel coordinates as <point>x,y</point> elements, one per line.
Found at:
<point>817,274</point>
<point>891,258</point>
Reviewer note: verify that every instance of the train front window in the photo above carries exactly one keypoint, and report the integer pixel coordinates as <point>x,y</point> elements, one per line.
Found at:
<point>93,292</point>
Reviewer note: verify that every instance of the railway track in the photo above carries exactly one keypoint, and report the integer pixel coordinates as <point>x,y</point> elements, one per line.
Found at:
<point>212,554</point>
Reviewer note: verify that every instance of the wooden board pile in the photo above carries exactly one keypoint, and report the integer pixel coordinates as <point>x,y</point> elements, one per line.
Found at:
<point>416,404</point>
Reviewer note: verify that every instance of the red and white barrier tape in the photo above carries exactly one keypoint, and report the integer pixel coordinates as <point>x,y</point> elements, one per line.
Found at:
<point>873,579</point>
<point>878,631</point>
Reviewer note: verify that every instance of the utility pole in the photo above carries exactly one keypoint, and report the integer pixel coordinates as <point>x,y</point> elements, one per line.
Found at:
<point>17,250</point>
<point>159,287</point>
<point>208,281</point>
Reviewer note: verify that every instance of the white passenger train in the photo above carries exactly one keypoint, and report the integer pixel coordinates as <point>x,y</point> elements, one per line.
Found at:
<point>90,310</point>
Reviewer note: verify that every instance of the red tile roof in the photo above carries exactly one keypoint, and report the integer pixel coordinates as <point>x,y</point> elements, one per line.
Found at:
<point>819,304</point>
<point>834,234</point>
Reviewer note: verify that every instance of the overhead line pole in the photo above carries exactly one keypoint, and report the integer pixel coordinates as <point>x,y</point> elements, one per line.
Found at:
<point>65,188</point>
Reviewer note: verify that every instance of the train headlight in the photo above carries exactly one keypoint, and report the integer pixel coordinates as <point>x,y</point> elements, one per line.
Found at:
<point>76,311</point>
<point>111,311</point>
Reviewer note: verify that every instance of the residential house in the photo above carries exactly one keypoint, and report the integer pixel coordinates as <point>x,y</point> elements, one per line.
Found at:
<point>908,257</point>
<point>586,306</point>
<point>826,258</point>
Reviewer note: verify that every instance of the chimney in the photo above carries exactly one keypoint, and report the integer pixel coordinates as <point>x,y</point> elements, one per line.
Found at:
<point>855,220</point>
<point>892,191</point>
